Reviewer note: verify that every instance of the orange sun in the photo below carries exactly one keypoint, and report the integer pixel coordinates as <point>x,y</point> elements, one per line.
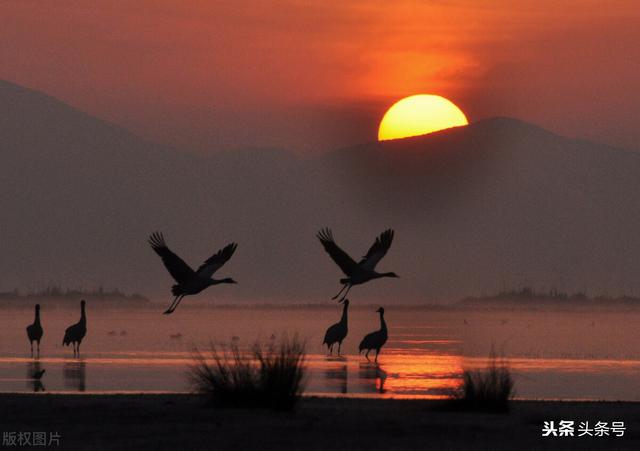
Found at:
<point>418,115</point>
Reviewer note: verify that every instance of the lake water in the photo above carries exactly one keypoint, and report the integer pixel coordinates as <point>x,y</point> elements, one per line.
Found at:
<point>552,355</point>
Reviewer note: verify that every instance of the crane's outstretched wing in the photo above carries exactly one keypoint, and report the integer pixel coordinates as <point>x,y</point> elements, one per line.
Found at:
<point>342,259</point>
<point>215,262</point>
<point>178,269</point>
<point>377,250</point>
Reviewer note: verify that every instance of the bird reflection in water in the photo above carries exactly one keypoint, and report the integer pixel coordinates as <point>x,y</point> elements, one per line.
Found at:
<point>75,375</point>
<point>337,375</point>
<point>34,376</point>
<point>374,372</point>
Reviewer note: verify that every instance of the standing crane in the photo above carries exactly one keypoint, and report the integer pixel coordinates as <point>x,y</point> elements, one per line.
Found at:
<point>375,340</point>
<point>34,331</point>
<point>364,270</point>
<point>75,333</point>
<point>190,281</point>
<point>338,331</point>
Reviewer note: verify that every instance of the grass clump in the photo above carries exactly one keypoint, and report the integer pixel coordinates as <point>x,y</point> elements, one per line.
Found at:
<point>486,390</point>
<point>268,376</point>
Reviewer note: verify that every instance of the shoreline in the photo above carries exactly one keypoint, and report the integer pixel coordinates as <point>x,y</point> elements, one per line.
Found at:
<point>435,400</point>
<point>181,421</point>
<point>460,306</point>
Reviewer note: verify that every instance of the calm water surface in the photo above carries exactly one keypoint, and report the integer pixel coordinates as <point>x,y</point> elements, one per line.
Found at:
<point>566,355</point>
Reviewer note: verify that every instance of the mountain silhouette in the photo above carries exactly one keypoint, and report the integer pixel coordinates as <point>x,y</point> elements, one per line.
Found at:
<point>499,201</point>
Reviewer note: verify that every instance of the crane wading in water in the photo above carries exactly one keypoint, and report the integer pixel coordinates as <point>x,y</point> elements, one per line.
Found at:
<point>364,270</point>
<point>188,280</point>
<point>338,331</point>
<point>34,331</point>
<point>74,334</point>
<point>375,340</point>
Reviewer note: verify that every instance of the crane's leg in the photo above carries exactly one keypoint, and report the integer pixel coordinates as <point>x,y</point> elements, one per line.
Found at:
<point>367,355</point>
<point>344,296</point>
<point>38,348</point>
<point>377,351</point>
<point>339,346</point>
<point>340,292</point>
<point>32,349</point>
<point>78,349</point>
<point>331,349</point>
<point>176,306</point>
<point>172,306</point>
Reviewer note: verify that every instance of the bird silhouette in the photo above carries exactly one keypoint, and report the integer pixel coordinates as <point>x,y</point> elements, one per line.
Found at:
<point>74,334</point>
<point>375,340</point>
<point>34,331</point>
<point>190,281</point>
<point>38,374</point>
<point>364,270</point>
<point>338,331</point>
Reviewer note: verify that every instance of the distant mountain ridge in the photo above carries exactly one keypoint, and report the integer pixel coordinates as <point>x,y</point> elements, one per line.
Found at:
<point>528,297</point>
<point>498,200</point>
<point>70,297</point>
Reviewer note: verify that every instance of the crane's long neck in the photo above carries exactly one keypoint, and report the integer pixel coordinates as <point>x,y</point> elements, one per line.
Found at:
<point>383,324</point>
<point>344,314</point>
<point>37,320</point>
<point>83,316</point>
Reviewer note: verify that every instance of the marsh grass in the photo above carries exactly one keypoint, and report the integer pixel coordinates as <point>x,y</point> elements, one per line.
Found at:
<point>486,390</point>
<point>268,376</point>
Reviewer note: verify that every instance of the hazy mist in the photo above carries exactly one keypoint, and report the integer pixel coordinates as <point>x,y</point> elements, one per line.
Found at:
<point>500,201</point>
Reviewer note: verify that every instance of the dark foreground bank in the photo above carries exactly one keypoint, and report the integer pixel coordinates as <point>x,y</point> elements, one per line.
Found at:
<point>171,422</point>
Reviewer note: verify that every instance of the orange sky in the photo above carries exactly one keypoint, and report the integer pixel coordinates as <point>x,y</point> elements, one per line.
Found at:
<point>315,75</point>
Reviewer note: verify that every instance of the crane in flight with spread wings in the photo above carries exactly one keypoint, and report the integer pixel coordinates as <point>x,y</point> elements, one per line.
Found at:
<point>364,270</point>
<point>190,281</point>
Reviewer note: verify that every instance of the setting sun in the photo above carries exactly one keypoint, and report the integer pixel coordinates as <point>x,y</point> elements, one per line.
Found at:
<point>418,115</point>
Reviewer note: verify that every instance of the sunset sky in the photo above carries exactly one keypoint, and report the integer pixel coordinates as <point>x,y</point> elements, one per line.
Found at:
<point>313,76</point>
